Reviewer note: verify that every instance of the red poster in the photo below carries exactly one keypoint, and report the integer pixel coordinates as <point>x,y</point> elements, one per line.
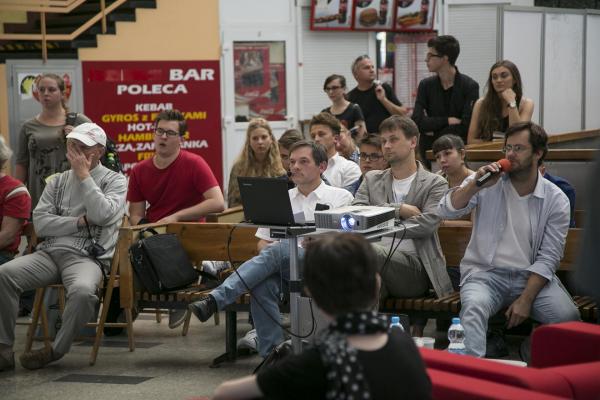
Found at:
<point>125,97</point>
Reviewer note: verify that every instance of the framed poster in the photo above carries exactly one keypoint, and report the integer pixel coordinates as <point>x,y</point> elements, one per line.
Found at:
<point>374,15</point>
<point>414,15</point>
<point>329,15</point>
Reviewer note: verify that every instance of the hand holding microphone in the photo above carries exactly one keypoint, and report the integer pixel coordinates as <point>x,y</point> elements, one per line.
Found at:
<point>492,172</point>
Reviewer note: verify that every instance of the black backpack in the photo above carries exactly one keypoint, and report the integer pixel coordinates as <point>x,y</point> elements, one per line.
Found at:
<point>110,159</point>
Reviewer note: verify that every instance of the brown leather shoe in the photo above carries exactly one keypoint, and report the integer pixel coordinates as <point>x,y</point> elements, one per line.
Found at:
<point>7,362</point>
<point>39,358</point>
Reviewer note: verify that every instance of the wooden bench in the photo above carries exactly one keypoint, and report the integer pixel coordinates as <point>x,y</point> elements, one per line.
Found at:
<point>454,241</point>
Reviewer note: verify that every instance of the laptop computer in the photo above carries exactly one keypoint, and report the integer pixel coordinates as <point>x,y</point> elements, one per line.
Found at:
<point>266,202</point>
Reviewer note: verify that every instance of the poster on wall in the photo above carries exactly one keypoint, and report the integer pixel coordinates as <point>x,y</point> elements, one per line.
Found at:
<point>374,15</point>
<point>331,14</point>
<point>414,15</point>
<point>125,98</point>
<point>259,80</point>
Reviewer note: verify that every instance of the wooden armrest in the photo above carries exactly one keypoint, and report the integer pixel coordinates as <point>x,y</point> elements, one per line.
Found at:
<point>233,214</point>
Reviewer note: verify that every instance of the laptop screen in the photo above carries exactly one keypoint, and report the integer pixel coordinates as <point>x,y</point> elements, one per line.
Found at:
<point>266,201</point>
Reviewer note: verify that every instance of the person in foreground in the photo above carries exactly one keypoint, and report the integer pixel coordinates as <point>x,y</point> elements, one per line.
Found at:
<point>78,216</point>
<point>519,233</point>
<point>355,357</point>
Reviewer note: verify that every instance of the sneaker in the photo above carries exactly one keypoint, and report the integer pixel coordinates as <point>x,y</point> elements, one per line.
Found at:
<point>249,341</point>
<point>176,317</point>
<point>7,361</point>
<point>495,346</point>
<point>37,359</point>
<point>210,269</point>
<point>203,309</point>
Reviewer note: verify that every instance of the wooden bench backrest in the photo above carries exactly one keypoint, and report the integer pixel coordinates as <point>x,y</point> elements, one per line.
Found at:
<point>454,241</point>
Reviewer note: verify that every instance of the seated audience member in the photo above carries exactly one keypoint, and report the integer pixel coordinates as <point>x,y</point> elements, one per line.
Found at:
<point>371,158</point>
<point>259,157</point>
<point>519,232</point>
<point>355,357</point>
<point>414,192</point>
<point>349,114</point>
<point>567,189</point>
<point>265,273</point>
<point>449,152</point>
<point>174,185</point>
<point>325,129</point>
<point>377,100</point>
<point>502,106</point>
<point>285,142</point>
<point>445,100</point>
<point>15,208</point>
<point>80,209</point>
<point>346,147</point>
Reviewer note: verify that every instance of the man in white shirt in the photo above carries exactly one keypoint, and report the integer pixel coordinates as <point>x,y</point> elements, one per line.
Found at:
<point>265,273</point>
<point>325,129</point>
<point>519,233</point>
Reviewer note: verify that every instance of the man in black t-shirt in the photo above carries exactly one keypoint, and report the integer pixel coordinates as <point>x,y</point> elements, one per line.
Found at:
<point>376,100</point>
<point>444,101</point>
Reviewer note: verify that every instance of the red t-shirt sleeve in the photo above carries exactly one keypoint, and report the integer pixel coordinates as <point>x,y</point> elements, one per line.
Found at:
<point>204,178</point>
<point>17,206</point>
<point>134,193</point>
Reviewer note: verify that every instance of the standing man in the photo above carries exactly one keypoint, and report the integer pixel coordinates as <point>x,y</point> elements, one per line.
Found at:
<point>265,273</point>
<point>325,129</point>
<point>78,216</point>
<point>444,101</point>
<point>174,185</point>
<point>519,234</point>
<point>414,192</point>
<point>376,100</point>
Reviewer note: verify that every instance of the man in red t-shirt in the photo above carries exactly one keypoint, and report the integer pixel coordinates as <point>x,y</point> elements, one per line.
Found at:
<point>172,186</point>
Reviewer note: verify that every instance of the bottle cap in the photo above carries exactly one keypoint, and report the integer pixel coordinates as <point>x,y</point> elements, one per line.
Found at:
<point>455,321</point>
<point>395,319</point>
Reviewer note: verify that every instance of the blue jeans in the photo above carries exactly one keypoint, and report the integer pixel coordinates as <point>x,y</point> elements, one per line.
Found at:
<point>484,293</point>
<point>264,275</point>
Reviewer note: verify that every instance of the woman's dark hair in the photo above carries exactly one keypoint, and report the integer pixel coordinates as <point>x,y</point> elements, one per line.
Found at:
<point>340,271</point>
<point>538,138</point>
<point>449,142</point>
<point>491,106</point>
<point>333,77</point>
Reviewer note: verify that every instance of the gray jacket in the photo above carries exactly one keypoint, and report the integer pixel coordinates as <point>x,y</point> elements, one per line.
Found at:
<point>425,193</point>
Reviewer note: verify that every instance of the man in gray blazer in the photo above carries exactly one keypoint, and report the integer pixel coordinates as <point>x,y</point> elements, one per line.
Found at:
<point>418,263</point>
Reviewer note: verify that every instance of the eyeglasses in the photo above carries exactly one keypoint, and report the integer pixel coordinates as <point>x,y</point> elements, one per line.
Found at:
<point>161,131</point>
<point>517,148</point>
<point>332,88</point>
<point>428,56</point>
<point>372,156</point>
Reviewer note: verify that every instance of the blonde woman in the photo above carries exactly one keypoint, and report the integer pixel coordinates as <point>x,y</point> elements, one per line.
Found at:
<point>259,157</point>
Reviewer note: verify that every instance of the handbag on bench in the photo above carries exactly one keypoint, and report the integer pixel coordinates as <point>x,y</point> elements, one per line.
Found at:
<point>161,263</point>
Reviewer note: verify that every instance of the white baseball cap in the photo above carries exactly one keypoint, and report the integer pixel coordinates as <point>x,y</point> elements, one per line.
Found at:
<point>89,134</point>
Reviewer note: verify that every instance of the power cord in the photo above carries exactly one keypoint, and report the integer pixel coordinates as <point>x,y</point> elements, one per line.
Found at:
<point>392,249</point>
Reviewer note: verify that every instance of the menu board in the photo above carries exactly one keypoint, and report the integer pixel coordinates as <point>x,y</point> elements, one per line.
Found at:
<point>414,15</point>
<point>374,15</point>
<point>331,14</point>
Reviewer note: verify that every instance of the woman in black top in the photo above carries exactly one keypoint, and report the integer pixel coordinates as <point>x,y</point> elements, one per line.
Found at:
<point>502,106</point>
<point>355,357</point>
<point>349,114</point>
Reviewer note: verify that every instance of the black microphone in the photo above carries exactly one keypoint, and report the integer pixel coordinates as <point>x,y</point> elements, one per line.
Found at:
<point>289,174</point>
<point>504,166</point>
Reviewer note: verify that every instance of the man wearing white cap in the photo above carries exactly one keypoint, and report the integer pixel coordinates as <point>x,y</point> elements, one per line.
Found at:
<point>78,217</point>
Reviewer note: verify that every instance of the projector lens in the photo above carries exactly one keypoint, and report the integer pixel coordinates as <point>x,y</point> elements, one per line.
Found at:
<point>347,222</point>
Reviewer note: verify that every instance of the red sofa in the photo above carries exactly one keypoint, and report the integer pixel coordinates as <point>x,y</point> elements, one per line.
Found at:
<point>560,369</point>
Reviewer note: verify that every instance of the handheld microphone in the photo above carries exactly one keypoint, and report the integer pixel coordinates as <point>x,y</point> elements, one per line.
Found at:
<point>504,166</point>
<point>289,174</point>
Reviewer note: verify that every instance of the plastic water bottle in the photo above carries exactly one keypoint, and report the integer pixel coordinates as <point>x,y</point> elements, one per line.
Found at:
<point>396,324</point>
<point>456,335</point>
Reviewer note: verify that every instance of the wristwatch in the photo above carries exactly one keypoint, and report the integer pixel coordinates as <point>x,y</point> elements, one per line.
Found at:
<point>512,104</point>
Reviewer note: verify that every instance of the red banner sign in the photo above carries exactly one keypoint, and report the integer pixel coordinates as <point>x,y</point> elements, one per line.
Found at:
<point>125,97</point>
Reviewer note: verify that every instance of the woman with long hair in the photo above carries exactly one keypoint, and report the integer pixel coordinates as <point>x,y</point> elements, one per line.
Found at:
<point>259,157</point>
<point>449,152</point>
<point>41,146</point>
<point>349,114</point>
<point>502,106</point>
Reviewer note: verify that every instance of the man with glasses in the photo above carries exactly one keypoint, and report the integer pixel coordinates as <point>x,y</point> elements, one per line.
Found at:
<point>376,100</point>
<point>444,101</point>
<point>174,185</point>
<point>370,158</point>
<point>519,233</point>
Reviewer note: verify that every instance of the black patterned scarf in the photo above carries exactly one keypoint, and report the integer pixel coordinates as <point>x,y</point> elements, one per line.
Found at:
<point>345,375</point>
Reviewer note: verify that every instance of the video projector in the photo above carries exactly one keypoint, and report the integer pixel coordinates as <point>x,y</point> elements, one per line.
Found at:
<point>355,218</point>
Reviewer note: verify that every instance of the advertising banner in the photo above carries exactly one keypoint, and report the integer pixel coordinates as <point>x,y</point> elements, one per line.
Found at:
<point>125,98</point>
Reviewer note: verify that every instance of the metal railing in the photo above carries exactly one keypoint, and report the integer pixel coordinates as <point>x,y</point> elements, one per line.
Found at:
<point>56,7</point>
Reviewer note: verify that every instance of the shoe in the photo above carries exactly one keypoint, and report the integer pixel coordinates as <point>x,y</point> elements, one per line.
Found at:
<point>176,317</point>
<point>37,359</point>
<point>203,309</point>
<point>7,361</point>
<point>249,341</point>
<point>525,350</point>
<point>495,346</point>
<point>210,269</point>
<point>112,331</point>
